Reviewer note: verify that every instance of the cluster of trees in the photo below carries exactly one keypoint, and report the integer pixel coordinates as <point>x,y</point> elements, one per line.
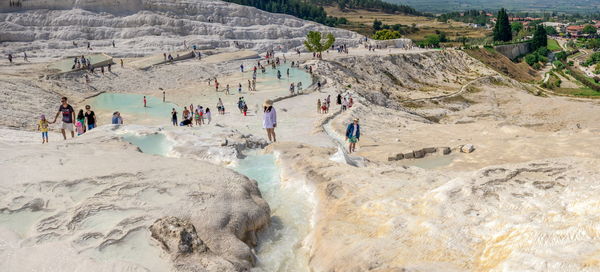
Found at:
<point>298,8</point>
<point>589,43</point>
<point>369,5</point>
<point>540,38</point>
<point>538,56</point>
<point>470,17</point>
<point>539,44</point>
<point>502,29</point>
<point>589,29</point>
<point>592,59</point>
<point>433,40</point>
<point>386,32</point>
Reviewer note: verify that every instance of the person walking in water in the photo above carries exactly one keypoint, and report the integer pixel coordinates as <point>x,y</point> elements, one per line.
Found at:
<point>68,116</point>
<point>208,115</point>
<point>269,120</point>
<point>144,101</point>
<point>174,117</point>
<point>353,135</point>
<point>220,107</point>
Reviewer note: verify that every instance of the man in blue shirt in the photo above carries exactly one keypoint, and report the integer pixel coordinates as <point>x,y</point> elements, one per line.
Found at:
<point>353,135</point>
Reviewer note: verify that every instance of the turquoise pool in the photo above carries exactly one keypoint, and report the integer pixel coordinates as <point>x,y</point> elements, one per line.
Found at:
<point>270,76</point>
<point>132,104</point>
<point>156,144</point>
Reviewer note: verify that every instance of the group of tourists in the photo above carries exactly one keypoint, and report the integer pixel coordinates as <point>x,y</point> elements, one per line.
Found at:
<point>80,123</point>
<point>198,116</point>
<point>345,102</point>
<point>323,107</point>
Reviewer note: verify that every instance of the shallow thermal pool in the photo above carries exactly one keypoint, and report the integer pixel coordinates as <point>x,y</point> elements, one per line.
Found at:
<point>156,144</point>
<point>280,245</point>
<point>269,78</point>
<point>132,104</point>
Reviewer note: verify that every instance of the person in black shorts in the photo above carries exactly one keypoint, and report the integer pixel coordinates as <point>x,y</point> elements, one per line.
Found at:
<point>68,115</point>
<point>90,117</point>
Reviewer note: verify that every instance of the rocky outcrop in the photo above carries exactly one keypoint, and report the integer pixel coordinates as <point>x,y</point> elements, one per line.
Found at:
<point>188,252</point>
<point>389,80</point>
<point>98,195</point>
<point>507,217</point>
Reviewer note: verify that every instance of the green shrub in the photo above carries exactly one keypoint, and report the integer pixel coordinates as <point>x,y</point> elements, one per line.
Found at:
<point>531,59</point>
<point>386,34</point>
<point>558,64</point>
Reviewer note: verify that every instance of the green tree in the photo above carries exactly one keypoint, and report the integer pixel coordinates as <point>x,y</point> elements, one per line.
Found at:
<point>502,30</point>
<point>589,29</point>
<point>551,31</point>
<point>377,25</point>
<point>593,44</point>
<point>531,59</point>
<point>314,44</point>
<point>540,38</point>
<point>386,34</point>
<point>430,40</point>
<point>516,27</point>
<point>561,56</point>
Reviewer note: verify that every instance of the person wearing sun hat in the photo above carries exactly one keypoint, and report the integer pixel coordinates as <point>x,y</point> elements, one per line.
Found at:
<point>353,135</point>
<point>269,119</point>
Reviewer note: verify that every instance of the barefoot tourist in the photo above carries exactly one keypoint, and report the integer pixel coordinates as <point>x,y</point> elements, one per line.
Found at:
<point>270,120</point>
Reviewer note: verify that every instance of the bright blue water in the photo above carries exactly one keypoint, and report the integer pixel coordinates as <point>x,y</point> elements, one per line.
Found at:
<point>156,144</point>
<point>280,245</point>
<point>270,76</point>
<point>132,104</point>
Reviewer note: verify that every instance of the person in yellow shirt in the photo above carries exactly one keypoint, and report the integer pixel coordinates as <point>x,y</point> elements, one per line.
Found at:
<point>43,127</point>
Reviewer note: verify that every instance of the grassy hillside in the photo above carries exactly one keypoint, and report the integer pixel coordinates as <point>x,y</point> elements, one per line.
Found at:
<point>361,21</point>
<point>439,6</point>
<point>500,63</point>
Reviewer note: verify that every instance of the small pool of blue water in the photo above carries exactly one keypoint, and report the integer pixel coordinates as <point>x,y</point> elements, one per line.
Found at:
<point>156,144</point>
<point>132,104</point>
<point>270,76</point>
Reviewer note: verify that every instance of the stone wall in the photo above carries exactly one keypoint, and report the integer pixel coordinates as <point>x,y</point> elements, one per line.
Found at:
<point>512,51</point>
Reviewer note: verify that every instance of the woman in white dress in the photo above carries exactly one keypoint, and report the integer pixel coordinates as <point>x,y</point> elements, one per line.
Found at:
<point>270,120</point>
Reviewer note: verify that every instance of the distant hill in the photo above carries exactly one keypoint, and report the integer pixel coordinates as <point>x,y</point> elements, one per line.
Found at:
<point>313,9</point>
<point>438,6</point>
